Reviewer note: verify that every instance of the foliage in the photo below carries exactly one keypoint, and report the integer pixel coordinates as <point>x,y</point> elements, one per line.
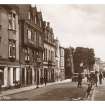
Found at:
<point>85,56</point>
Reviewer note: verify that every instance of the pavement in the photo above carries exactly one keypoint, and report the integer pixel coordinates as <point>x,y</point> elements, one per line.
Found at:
<point>99,92</point>
<point>14,91</point>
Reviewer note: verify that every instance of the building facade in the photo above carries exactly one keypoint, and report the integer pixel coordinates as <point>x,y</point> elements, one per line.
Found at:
<point>49,53</point>
<point>57,57</point>
<point>31,44</point>
<point>62,68</point>
<point>68,64</point>
<point>28,50</point>
<point>9,45</point>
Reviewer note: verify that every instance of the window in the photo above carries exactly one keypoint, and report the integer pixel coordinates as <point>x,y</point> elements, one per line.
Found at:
<point>12,20</point>
<point>40,40</point>
<point>35,36</point>
<point>12,49</point>
<point>29,15</point>
<point>27,58</point>
<point>29,34</point>
<point>44,54</point>
<point>35,20</point>
<point>40,23</point>
<point>33,55</point>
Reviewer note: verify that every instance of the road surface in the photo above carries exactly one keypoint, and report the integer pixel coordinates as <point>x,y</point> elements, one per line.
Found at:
<point>57,92</point>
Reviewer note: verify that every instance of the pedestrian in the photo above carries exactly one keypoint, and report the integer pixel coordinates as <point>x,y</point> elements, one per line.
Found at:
<point>79,80</point>
<point>88,78</point>
<point>41,80</point>
<point>95,79</point>
<point>100,78</point>
<point>89,89</point>
<point>45,80</point>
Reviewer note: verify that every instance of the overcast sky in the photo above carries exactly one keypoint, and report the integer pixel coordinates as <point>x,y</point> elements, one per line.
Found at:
<point>77,25</point>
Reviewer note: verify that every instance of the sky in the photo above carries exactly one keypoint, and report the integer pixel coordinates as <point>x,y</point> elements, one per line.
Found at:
<point>77,25</point>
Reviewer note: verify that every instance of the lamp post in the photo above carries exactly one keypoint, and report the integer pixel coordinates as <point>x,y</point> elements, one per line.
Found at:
<point>38,61</point>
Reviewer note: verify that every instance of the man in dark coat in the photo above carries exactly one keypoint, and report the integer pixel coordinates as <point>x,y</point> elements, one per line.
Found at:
<point>79,80</point>
<point>100,78</point>
<point>45,80</point>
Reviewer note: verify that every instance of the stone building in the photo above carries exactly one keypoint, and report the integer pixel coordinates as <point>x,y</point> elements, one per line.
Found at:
<point>9,45</point>
<point>31,44</point>
<point>57,57</point>
<point>49,52</point>
<point>62,62</point>
<point>68,64</point>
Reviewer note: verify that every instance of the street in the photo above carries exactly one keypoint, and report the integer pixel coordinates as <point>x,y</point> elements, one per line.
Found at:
<point>58,92</point>
<point>99,92</point>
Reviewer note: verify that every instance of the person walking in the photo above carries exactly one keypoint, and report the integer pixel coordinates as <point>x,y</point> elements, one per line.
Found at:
<point>89,89</point>
<point>100,78</point>
<point>79,80</point>
<point>45,80</point>
<point>95,79</point>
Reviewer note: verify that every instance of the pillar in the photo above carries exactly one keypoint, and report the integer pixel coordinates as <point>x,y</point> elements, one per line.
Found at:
<point>25,75</point>
<point>11,76</point>
<point>33,76</point>
<point>5,77</point>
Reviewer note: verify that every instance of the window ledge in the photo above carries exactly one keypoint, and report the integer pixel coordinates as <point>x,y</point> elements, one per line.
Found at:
<point>12,30</point>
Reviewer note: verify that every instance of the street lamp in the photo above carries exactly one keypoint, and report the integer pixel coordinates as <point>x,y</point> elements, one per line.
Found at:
<point>38,61</point>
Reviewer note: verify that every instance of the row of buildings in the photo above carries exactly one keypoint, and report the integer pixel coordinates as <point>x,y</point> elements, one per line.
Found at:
<point>28,48</point>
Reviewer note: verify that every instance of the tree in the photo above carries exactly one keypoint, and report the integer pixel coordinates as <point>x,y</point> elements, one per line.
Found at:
<point>85,56</point>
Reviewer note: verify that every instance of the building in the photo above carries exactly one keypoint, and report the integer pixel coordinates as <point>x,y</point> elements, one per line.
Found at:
<point>28,50</point>
<point>68,63</point>
<point>57,57</point>
<point>9,45</point>
<point>99,65</point>
<point>31,44</point>
<point>49,53</point>
<point>62,68</point>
